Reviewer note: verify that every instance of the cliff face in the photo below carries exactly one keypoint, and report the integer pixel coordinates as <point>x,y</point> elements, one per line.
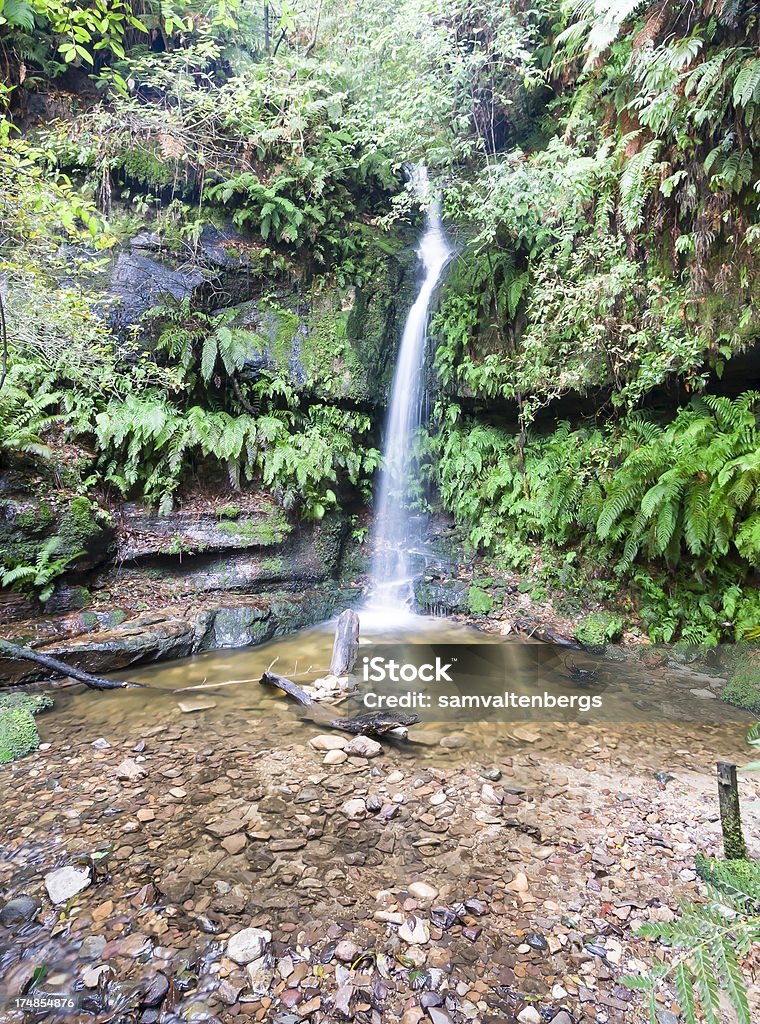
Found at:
<point>210,443</point>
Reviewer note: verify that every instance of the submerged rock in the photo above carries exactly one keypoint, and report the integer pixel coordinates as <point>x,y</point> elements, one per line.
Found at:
<point>248,945</point>
<point>20,909</point>
<point>65,883</point>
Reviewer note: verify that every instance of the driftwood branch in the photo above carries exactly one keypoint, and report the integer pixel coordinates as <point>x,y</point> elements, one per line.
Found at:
<point>289,687</point>
<point>14,651</point>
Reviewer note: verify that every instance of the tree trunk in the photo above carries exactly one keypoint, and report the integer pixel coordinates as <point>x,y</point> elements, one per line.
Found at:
<point>10,651</point>
<point>730,813</point>
<point>346,645</point>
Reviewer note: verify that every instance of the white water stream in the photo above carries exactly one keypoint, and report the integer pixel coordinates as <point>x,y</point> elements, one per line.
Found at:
<point>396,532</point>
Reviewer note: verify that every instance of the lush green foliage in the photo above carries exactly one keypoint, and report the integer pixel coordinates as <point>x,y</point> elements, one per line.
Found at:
<point>711,939</point>
<point>621,254</point>
<point>631,492</point>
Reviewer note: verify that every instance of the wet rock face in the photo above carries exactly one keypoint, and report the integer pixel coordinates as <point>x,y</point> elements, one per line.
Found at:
<point>250,553</point>
<point>334,343</point>
<point>149,274</point>
<point>178,631</point>
<point>224,528</point>
<point>441,597</point>
<point>79,528</point>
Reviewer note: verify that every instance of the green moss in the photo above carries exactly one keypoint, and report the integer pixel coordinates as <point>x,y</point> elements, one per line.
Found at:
<point>600,628</point>
<point>31,702</point>
<point>256,532</point>
<point>18,732</point>
<point>735,876</point>
<point>35,520</point>
<point>273,566</point>
<point>479,601</point>
<point>743,689</point>
<point>327,356</point>
<point>78,526</point>
<point>229,512</point>
<point>285,323</point>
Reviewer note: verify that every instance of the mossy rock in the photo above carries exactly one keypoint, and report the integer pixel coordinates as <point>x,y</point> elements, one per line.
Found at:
<point>18,730</point>
<point>479,601</point>
<point>743,688</point>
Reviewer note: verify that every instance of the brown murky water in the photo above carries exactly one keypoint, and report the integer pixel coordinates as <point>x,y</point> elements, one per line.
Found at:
<point>638,701</point>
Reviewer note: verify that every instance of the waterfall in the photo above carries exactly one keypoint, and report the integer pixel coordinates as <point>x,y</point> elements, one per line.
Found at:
<point>396,533</point>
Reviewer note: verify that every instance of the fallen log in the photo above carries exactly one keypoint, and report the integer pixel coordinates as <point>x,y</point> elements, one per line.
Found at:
<point>346,643</point>
<point>15,651</point>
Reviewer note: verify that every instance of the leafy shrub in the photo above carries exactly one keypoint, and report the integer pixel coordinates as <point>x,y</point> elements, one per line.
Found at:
<point>599,628</point>
<point>639,495</point>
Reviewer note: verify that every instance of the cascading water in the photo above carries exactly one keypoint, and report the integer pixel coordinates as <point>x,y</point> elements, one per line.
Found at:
<point>396,533</point>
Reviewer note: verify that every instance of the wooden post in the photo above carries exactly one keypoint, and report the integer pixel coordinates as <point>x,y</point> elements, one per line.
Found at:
<point>730,813</point>
<point>346,645</point>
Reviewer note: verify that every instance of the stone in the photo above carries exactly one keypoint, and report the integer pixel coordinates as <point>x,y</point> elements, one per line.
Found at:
<point>412,1016</point>
<point>342,1000</point>
<point>363,746</point>
<point>563,1017</point>
<point>248,944</point>
<point>489,795</point>
<point>438,1016</point>
<point>415,931</point>
<point>529,1015</point>
<point>423,891</point>
<point>335,757</point>
<point>536,941</point>
<point>155,990</point>
<point>192,704</point>
<point>92,947</point>
<point>100,743</point>
<point>455,740</point>
<point>234,844</point>
<point>20,909</point>
<point>354,809</point>
<point>328,742</point>
<point>519,883</point>
<point>228,991</point>
<point>176,888</point>
<point>226,826</point>
<point>347,951</point>
<point>64,884</point>
<point>130,770</point>
<point>260,976</point>
<point>91,976</point>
